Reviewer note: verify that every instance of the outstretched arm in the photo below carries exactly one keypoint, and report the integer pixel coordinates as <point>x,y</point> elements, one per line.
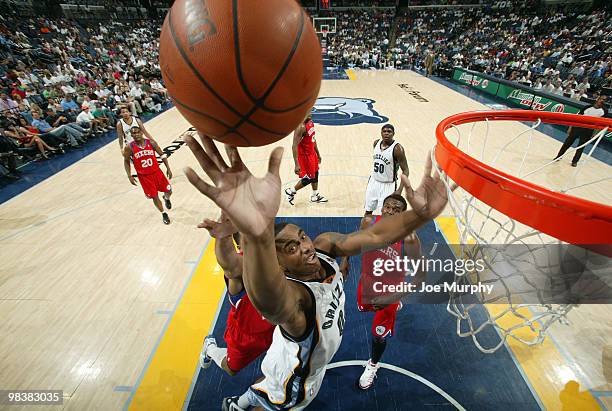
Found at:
<point>251,204</point>
<point>387,231</point>
<point>427,202</point>
<point>227,257</point>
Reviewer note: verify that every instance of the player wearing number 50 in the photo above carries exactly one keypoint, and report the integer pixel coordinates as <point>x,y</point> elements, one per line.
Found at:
<point>142,153</point>
<point>389,156</point>
<point>291,280</point>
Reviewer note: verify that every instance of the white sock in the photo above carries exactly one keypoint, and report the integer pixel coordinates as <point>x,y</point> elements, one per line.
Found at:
<point>243,401</point>
<point>292,190</point>
<point>217,354</point>
<point>315,193</point>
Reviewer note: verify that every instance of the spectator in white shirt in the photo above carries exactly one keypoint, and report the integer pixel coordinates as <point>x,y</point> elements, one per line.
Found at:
<point>86,119</point>
<point>583,86</point>
<point>538,85</point>
<point>158,88</point>
<point>67,89</point>
<point>549,87</point>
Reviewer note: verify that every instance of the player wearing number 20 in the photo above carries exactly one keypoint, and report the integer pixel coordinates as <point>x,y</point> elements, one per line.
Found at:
<point>389,156</point>
<point>142,153</point>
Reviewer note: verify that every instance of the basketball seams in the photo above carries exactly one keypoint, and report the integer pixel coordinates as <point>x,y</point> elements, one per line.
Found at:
<point>208,86</point>
<point>201,113</point>
<point>238,60</point>
<point>259,102</point>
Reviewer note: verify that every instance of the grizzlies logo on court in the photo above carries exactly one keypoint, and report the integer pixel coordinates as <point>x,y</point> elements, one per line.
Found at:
<point>343,111</point>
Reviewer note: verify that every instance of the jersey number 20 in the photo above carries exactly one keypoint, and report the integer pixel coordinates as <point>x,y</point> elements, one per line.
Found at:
<point>147,162</point>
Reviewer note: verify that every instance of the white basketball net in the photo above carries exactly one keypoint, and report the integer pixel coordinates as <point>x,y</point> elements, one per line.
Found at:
<point>481,227</point>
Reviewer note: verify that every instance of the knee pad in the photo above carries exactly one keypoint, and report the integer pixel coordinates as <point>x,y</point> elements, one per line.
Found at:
<point>305,180</point>
<point>315,179</point>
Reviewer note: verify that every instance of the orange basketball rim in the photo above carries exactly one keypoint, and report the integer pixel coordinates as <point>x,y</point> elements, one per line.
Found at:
<point>570,219</point>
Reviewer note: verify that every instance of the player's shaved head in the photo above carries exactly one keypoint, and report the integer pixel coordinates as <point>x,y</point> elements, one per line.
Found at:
<point>280,227</point>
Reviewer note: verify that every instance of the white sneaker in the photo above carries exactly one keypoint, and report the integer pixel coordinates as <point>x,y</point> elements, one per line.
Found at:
<point>367,378</point>
<point>230,404</point>
<point>318,199</point>
<point>205,360</point>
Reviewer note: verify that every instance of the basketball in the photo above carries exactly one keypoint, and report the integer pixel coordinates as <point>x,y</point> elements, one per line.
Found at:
<point>245,73</point>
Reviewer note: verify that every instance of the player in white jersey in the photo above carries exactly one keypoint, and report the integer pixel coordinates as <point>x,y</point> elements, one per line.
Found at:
<point>389,156</point>
<point>291,280</point>
<point>124,126</point>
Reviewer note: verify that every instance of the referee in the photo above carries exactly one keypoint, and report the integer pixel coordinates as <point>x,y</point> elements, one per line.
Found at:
<point>583,134</point>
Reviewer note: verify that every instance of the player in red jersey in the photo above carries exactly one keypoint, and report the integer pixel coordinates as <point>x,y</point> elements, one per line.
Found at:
<point>247,333</point>
<point>307,159</point>
<point>383,323</point>
<point>142,153</point>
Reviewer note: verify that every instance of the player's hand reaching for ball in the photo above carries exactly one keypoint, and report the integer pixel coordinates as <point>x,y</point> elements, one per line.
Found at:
<point>221,228</point>
<point>250,202</point>
<point>430,197</point>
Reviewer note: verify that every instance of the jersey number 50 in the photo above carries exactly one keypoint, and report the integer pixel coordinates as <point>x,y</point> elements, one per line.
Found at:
<point>379,168</point>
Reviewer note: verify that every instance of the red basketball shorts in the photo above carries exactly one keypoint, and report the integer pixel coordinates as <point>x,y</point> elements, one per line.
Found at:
<point>244,345</point>
<point>154,183</point>
<point>309,164</point>
<point>384,320</point>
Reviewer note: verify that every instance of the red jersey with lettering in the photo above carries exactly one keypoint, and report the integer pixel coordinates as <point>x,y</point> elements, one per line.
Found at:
<point>145,161</point>
<point>383,323</point>
<point>247,334</point>
<point>306,145</point>
<point>307,156</point>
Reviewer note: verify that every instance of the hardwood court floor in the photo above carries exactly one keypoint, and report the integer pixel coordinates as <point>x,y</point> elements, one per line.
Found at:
<point>88,272</point>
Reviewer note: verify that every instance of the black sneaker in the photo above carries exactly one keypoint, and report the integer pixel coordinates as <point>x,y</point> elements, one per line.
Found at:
<point>230,404</point>
<point>166,218</point>
<point>168,203</point>
<point>290,196</point>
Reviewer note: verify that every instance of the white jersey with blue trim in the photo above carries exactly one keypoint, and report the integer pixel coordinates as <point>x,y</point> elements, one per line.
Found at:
<point>294,369</point>
<point>127,129</point>
<point>385,167</point>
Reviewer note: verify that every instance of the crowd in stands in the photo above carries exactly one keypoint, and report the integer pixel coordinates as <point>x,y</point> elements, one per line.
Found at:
<point>561,52</point>
<point>565,53</point>
<point>62,83</point>
<point>361,39</point>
